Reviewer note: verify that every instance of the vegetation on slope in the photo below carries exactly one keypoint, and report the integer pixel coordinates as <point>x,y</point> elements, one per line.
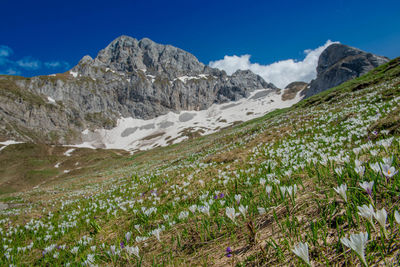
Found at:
<point>315,184</point>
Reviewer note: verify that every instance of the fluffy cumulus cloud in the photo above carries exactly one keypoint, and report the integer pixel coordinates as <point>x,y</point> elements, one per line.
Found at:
<point>25,64</point>
<point>280,73</point>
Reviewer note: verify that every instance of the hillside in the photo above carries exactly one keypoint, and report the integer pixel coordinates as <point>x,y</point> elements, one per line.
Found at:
<point>247,195</point>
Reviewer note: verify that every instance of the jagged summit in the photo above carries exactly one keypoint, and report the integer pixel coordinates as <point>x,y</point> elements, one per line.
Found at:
<point>127,54</point>
<point>339,63</point>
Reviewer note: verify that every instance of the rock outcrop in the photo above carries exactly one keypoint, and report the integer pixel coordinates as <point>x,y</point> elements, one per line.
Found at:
<point>339,63</point>
<point>292,89</point>
<point>129,78</point>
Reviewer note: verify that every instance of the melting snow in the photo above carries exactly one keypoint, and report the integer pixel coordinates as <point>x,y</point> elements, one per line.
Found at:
<point>57,165</point>
<point>185,78</point>
<point>7,143</point>
<point>152,77</point>
<point>68,152</point>
<point>51,100</point>
<point>73,73</point>
<point>137,134</point>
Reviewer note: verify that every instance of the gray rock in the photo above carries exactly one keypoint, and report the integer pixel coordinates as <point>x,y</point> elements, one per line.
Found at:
<point>339,63</point>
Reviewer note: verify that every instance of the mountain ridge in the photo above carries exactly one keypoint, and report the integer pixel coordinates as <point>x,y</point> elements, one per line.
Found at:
<point>141,79</point>
<point>129,78</point>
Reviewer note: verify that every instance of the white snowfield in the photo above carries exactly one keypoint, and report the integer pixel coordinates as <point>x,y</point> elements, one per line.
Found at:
<point>7,143</point>
<point>137,134</point>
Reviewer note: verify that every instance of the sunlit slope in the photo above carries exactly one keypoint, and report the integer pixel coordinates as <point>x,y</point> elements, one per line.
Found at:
<point>284,189</point>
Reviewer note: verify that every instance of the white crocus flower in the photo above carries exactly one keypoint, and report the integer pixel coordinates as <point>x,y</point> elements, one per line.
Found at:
<point>388,161</point>
<point>205,209</point>
<point>339,170</point>
<point>367,186</point>
<point>193,209</point>
<point>367,212</point>
<point>388,171</point>
<point>262,181</point>
<point>156,233</point>
<point>238,198</point>
<point>341,190</point>
<point>397,216</point>
<point>231,213</point>
<point>375,167</point>
<point>381,217</point>
<point>137,226</point>
<point>360,170</point>
<point>268,189</point>
<point>357,242</point>
<point>243,210</point>
<point>283,190</point>
<point>301,250</point>
<point>128,236</point>
<point>261,210</point>
<point>358,163</point>
<point>132,250</point>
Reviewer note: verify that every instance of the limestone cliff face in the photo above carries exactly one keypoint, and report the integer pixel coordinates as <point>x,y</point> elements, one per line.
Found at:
<point>129,78</point>
<point>339,63</point>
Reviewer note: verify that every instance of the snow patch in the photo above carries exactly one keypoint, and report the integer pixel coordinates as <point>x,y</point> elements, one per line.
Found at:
<point>152,77</point>
<point>7,143</point>
<point>51,100</point>
<point>69,152</point>
<point>137,134</point>
<point>185,78</point>
<point>74,74</point>
<point>57,165</point>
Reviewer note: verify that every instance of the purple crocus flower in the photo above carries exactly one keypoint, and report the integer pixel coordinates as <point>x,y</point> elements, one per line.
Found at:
<point>215,197</point>
<point>122,245</point>
<point>221,195</point>
<point>228,252</point>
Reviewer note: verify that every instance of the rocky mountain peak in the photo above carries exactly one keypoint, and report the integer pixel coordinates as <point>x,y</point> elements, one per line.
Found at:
<point>339,63</point>
<point>126,54</point>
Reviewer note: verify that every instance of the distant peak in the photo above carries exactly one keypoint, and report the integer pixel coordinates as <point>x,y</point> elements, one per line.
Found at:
<point>123,38</point>
<point>86,59</point>
<point>146,40</point>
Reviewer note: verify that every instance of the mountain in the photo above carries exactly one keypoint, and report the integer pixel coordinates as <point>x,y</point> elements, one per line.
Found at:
<point>138,94</point>
<point>339,63</point>
<point>129,78</point>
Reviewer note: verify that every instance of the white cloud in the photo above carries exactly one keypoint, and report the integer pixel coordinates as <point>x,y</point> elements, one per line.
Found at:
<point>57,64</point>
<point>29,63</point>
<point>5,51</point>
<point>16,67</point>
<point>280,73</point>
<point>11,71</point>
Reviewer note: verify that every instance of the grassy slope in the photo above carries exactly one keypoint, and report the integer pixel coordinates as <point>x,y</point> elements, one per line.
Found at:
<point>297,146</point>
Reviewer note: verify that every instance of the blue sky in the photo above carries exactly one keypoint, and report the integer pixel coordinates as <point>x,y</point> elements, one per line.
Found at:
<point>43,37</point>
